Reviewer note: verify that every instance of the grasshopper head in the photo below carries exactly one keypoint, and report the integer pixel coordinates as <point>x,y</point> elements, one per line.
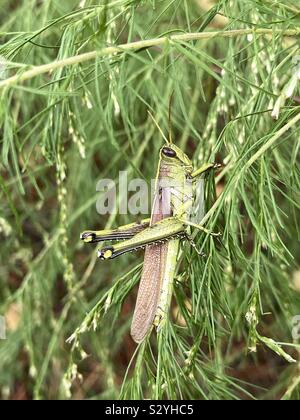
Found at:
<point>172,153</point>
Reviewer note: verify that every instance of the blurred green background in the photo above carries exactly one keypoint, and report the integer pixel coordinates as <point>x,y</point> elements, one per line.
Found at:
<point>63,131</point>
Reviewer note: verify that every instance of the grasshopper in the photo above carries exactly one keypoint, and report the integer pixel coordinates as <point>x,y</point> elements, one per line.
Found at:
<point>160,236</point>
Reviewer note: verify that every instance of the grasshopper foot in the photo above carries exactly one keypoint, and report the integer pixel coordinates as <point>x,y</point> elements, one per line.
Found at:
<point>88,236</point>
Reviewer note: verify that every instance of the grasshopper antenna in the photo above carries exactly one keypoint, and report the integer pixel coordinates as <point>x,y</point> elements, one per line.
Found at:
<point>170,117</point>
<point>157,125</point>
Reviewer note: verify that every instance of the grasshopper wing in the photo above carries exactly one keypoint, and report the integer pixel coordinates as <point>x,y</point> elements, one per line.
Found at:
<point>149,291</point>
<point>153,271</point>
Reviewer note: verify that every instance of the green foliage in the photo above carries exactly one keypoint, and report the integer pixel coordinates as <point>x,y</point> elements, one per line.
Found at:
<point>236,100</point>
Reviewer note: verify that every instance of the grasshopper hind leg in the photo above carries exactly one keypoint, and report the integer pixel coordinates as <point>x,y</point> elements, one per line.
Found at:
<point>123,232</point>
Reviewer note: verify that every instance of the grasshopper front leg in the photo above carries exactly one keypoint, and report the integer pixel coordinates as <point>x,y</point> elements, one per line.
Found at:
<point>205,168</point>
<point>122,232</point>
<point>200,227</point>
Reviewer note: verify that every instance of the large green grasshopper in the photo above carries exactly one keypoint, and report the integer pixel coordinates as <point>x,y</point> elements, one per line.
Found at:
<point>160,235</point>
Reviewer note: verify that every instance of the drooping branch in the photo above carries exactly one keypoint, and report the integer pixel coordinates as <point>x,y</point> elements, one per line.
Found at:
<point>135,46</point>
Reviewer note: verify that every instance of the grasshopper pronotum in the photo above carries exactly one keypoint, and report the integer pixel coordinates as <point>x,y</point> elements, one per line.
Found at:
<point>159,235</point>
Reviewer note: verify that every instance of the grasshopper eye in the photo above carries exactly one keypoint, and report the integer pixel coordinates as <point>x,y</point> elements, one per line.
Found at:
<point>167,151</point>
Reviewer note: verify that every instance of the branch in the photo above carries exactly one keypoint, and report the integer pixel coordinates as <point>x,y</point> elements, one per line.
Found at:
<point>293,122</point>
<point>134,46</point>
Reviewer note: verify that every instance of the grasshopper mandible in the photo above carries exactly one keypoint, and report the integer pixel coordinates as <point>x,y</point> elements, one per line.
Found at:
<point>159,235</point>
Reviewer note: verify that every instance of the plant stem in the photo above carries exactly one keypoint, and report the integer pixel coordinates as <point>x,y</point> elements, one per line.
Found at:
<point>133,46</point>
